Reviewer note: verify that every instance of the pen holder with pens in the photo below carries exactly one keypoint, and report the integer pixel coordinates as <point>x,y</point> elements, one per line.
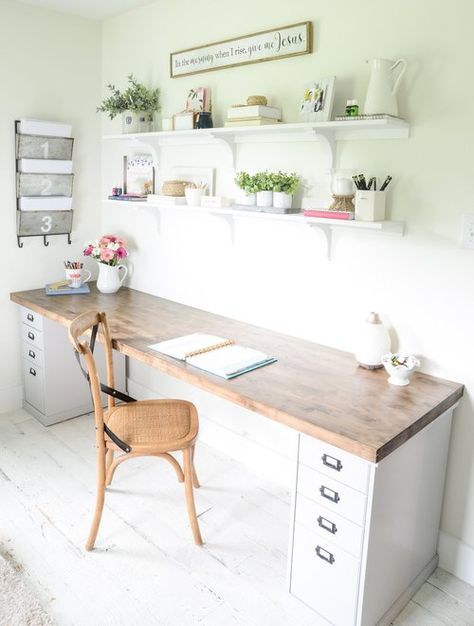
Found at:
<point>370,205</point>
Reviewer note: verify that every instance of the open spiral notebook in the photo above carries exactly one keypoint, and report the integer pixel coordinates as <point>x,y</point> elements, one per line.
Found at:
<point>213,354</point>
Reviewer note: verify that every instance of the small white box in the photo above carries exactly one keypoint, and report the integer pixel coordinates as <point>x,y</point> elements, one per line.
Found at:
<point>183,121</point>
<point>215,202</point>
<point>370,206</point>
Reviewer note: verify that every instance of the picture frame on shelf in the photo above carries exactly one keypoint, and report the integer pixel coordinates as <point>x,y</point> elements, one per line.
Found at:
<point>318,100</point>
<point>198,99</point>
<point>198,175</point>
<point>138,174</point>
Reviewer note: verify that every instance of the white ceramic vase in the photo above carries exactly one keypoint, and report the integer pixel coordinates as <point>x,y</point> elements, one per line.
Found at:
<point>193,196</point>
<point>383,86</point>
<point>400,368</point>
<point>137,121</point>
<point>247,199</point>
<point>373,341</point>
<point>282,200</point>
<point>109,280</point>
<point>264,198</point>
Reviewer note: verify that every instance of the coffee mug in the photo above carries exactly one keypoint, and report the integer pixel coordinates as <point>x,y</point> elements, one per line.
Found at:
<point>76,277</point>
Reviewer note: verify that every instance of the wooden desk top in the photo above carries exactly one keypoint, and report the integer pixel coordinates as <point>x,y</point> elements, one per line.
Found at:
<point>314,389</point>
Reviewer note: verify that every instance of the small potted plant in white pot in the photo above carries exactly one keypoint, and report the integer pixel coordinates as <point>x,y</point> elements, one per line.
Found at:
<point>284,186</point>
<point>246,183</point>
<point>264,188</point>
<point>137,104</point>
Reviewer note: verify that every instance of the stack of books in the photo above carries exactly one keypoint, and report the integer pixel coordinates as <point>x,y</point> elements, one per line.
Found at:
<point>252,115</point>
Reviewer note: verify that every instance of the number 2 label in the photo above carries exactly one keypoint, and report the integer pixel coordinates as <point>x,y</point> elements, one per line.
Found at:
<point>46,184</point>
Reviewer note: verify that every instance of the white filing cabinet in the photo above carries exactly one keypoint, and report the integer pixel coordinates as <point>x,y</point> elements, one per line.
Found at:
<point>364,535</point>
<point>54,387</point>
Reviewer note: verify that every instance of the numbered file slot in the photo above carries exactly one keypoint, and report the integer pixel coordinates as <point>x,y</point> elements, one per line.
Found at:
<point>44,166</point>
<point>43,223</point>
<point>44,185</point>
<point>42,147</point>
<point>52,203</point>
<point>325,577</point>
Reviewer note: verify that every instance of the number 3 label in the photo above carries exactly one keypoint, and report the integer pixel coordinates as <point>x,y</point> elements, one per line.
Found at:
<point>47,224</point>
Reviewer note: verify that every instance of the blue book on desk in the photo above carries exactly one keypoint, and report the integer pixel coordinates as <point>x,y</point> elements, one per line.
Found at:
<point>66,290</point>
<point>215,355</point>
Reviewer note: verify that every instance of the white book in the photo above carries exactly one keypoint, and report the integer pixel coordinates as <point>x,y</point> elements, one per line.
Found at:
<point>45,166</point>
<point>214,354</point>
<point>166,200</point>
<point>40,203</point>
<point>43,127</point>
<point>257,110</point>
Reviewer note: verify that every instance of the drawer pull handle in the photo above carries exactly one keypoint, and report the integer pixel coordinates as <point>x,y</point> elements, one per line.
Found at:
<point>30,317</point>
<point>327,525</point>
<point>325,555</point>
<point>31,335</point>
<point>32,371</point>
<point>329,494</point>
<point>32,354</point>
<point>332,462</point>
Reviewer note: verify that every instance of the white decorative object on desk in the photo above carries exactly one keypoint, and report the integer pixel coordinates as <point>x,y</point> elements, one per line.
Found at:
<point>370,205</point>
<point>382,91</point>
<point>373,342</point>
<point>400,367</point>
<point>109,280</point>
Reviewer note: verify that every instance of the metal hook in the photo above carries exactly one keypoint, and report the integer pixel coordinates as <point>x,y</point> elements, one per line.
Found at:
<point>20,243</point>
<point>46,243</point>
<point>69,238</point>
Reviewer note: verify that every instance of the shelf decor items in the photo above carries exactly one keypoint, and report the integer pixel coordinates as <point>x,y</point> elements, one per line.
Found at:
<point>284,186</point>
<point>400,368</point>
<point>108,251</point>
<point>247,184</point>
<point>382,91</point>
<point>44,179</point>
<point>137,104</point>
<point>318,100</point>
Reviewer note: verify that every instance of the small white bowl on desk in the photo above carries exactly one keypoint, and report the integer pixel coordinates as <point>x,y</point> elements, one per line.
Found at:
<point>400,367</point>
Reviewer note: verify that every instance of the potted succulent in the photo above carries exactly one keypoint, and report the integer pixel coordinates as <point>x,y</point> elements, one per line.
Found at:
<point>137,104</point>
<point>284,186</point>
<point>247,184</point>
<point>264,188</point>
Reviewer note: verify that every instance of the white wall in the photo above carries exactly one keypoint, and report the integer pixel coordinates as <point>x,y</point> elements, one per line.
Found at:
<point>276,275</point>
<point>49,64</point>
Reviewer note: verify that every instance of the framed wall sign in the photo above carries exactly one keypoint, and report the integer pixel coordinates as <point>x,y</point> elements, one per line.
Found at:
<point>268,45</point>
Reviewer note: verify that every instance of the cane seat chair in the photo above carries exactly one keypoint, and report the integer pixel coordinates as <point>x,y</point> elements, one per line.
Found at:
<point>136,428</point>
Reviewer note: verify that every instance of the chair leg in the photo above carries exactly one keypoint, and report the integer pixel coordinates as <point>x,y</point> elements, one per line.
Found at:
<point>188,486</point>
<point>196,484</point>
<point>109,459</point>
<point>99,500</point>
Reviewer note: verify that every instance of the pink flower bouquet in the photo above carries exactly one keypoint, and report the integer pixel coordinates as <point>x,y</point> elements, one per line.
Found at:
<point>109,249</point>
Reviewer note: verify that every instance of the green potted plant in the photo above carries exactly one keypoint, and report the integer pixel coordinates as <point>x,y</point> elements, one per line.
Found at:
<point>284,186</point>
<point>264,189</point>
<point>137,104</point>
<point>247,184</point>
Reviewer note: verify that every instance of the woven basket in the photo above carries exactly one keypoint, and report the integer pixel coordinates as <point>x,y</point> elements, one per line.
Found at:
<point>175,188</point>
<point>253,100</point>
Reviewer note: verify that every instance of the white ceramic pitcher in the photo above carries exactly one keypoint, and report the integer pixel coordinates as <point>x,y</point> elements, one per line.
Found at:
<point>109,280</point>
<point>382,91</point>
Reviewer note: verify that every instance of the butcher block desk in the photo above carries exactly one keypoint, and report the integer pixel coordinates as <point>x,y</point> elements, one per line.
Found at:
<point>371,457</point>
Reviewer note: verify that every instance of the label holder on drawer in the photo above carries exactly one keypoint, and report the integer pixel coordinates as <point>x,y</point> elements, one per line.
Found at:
<point>326,524</point>
<point>329,494</point>
<point>325,555</point>
<point>332,462</point>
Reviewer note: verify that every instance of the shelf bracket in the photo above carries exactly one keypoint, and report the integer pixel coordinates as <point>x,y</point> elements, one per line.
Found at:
<point>229,220</point>
<point>328,143</point>
<point>229,141</point>
<point>328,232</point>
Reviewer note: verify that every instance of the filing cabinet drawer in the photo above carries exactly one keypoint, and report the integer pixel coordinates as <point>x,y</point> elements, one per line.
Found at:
<point>324,577</point>
<point>33,377</point>
<point>33,354</point>
<point>32,336</point>
<point>330,526</point>
<point>334,462</point>
<point>331,494</point>
<point>31,318</point>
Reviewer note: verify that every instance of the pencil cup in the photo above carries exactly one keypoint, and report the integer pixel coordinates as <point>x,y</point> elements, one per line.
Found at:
<point>370,206</point>
<point>76,277</point>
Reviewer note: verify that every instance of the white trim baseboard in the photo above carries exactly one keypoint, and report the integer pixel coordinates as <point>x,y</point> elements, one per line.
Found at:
<point>456,557</point>
<point>11,399</point>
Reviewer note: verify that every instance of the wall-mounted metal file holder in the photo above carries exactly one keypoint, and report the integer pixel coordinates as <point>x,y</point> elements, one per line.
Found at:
<point>44,179</point>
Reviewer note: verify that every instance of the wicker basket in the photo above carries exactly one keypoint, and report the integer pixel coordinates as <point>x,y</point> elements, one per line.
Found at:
<point>175,188</point>
<point>253,100</point>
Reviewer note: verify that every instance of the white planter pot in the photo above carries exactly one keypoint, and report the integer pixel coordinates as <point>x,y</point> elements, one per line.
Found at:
<point>282,200</point>
<point>137,121</point>
<point>247,199</point>
<point>264,198</point>
<point>193,196</point>
<point>109,280</point>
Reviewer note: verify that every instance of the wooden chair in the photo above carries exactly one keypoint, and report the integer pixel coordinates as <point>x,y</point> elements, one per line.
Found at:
<point>147,428</point>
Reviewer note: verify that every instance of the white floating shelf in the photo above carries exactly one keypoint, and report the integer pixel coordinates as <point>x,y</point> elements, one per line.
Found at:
<point>325,224</point>
<point>327,132</point>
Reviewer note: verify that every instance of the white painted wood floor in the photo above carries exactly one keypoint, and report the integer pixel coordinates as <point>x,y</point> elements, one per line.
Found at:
<point>145,569</point>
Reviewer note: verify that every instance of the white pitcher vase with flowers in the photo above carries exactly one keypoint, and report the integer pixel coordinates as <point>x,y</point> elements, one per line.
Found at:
<point>108,251</point>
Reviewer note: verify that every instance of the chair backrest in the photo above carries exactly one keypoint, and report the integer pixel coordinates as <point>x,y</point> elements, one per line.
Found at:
<point>80,326</point>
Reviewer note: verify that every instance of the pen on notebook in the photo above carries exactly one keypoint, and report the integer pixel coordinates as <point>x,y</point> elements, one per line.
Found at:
<point>386,183</point>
